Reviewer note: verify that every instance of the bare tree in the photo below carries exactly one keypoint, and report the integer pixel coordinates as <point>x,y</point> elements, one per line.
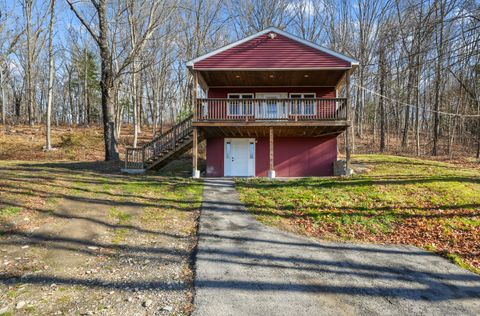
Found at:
<point>27,7</point>
<point>51,75</point>
<point>255,15</point>
<point>442,9</point>
<point>10,40</point>
<point>101,37</point>
<point>382,73</point>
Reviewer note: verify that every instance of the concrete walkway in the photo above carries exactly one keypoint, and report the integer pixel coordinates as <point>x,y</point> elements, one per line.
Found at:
<point>246,268</point>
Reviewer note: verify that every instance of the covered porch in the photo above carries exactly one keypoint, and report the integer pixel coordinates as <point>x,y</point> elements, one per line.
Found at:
<point>268,95</point>
<point>283,111</point>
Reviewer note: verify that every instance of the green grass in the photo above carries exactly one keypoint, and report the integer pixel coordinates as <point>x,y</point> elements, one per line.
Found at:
<point>10,211</point>
<point>30,309</point>
<point>119,236</point>
<point>394,186</point>
<point>122,218</point>
<point>459,261</point>
<point>12,294</point>
<point>373,205</point>
<point>46,193</point>
<point>166,202</point>
<point>64,299</point>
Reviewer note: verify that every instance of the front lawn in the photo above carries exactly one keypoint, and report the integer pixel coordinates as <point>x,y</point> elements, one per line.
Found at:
<point>79,238</point>
<point>429,204</point>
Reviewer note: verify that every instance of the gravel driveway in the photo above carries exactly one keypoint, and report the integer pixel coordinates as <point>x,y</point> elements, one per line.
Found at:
<point>246,268</point>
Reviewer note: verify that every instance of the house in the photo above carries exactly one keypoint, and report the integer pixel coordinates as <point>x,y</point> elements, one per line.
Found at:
<point>266,105</point>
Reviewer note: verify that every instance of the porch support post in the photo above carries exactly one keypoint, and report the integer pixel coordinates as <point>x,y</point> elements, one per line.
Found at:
<point>194,94</point>
<point>195,172</point>
<point>271,171</point>
<point>349,127</point>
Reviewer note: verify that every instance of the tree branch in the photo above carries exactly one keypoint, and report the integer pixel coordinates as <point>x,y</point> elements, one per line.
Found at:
<point>153,24</point>
<point>83,21</point>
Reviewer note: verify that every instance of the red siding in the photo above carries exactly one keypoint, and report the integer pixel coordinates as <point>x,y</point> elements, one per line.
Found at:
<point>215,157</point>
<point>298,156</point>
<point>293,156</point>
<point>321,92</point>
<point>265,53</point>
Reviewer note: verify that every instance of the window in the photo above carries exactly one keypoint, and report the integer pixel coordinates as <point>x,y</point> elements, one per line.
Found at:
<point>241,107</point>
<point>252,150</point>
<point>304,103</point>
<point>228,149</point>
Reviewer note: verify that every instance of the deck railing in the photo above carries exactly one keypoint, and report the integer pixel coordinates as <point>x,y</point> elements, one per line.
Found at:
<point>270,109</point>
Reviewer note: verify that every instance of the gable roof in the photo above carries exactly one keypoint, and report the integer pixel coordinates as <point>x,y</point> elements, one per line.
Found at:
<point>259,51</point>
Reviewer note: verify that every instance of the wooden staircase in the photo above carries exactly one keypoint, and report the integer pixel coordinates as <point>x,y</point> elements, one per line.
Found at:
<point>161,150</point>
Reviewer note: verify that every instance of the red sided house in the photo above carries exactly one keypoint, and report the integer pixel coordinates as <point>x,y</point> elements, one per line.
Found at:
<point>266,105</point>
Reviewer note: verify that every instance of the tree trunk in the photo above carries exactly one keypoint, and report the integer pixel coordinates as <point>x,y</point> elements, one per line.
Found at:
<point>140,101</point>
<point>135,104</point>
<point>29,94</point>
<point>4,107</point>
<point>407,109</point>
<point>48,142</point>
<point>454,125</point>
<point>70,97</point>
<point>381,100</point>
<point>106,86</point>
<point>89,110</point>
<point>18,104</point>
<point>478,138</point>
<point>417,107</point>
<point>440,51</point>
<point>86,119</point>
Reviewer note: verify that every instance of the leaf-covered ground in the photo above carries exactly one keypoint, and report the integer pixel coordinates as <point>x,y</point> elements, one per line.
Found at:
<point>394,199</point>
<point>76,143</point>
<point>81,238</point>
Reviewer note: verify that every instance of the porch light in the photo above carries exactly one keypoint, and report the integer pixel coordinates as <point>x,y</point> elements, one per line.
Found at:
<point>237,76</point>
<point>306,76</point>
<point>271,76</point>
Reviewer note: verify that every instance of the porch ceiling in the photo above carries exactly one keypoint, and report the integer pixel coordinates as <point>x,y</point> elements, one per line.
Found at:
<point>243,78</point>
<point>263,131</point>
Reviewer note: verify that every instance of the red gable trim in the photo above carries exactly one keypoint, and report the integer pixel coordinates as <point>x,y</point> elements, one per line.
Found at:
<point>260,51</point>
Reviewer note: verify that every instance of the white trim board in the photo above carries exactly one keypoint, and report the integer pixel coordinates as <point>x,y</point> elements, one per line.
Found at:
<point>352,61</point>
<point>302,93</point>
<point>265,95</point>
<point>241,93</point>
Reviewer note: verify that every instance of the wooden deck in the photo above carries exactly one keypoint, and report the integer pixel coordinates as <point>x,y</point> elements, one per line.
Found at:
<point>271,112</point>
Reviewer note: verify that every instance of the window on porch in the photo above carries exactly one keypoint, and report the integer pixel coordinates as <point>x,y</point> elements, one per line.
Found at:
<point>303,103</point>
<point>241,107</point>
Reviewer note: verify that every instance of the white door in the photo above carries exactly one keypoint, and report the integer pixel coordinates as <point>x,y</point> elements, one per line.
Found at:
<point>272,108</point>
<point>239,157</point>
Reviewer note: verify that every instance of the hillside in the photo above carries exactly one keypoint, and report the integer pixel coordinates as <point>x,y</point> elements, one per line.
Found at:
<point>80,143</point>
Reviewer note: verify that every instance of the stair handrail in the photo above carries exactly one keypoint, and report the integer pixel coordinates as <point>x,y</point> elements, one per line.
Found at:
<point>156,138</point>
<point>136,157</point>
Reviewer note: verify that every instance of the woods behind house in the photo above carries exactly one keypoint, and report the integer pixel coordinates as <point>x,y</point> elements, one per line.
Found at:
<point>123,62</point>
